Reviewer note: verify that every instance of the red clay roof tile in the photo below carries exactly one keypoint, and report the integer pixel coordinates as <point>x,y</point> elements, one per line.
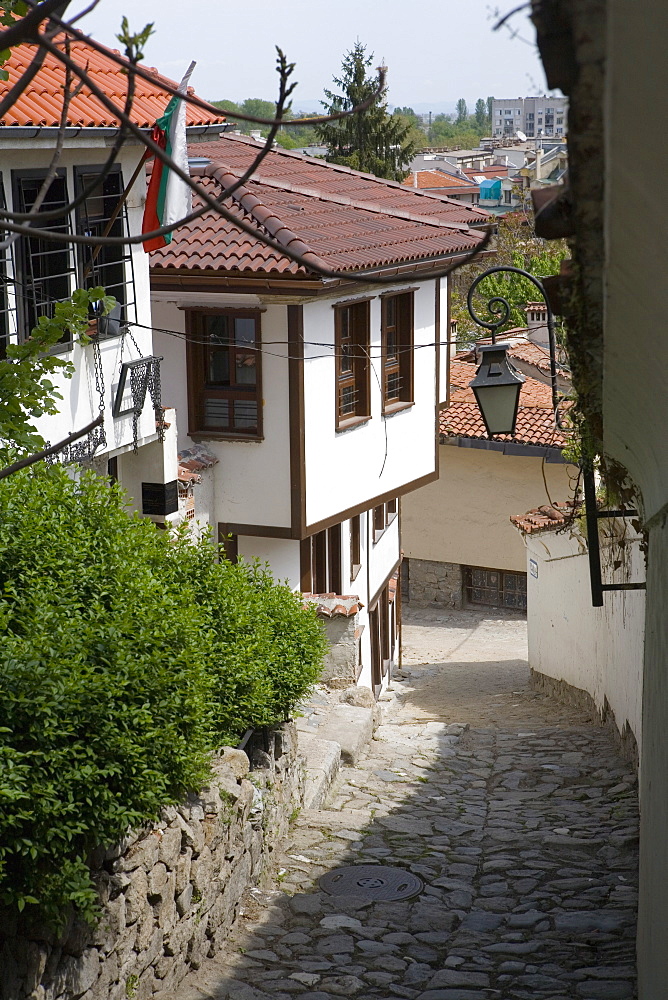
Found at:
<point>549,517</point>
<point>41,103</point>
<point>437,179</point>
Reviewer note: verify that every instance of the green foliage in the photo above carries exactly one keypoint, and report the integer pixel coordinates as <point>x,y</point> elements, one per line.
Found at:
<point>462,129</point>
<point>462,111</point>
<point>517,245</point>
<point>480,114</point>
<point>373,140</point>
<point>26,387</point>
<point>134,44</point>
<point>10,11</point>
<point>289,138</point>
<point>128,656</point>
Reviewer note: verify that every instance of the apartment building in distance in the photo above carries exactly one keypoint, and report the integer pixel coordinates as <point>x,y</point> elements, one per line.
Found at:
<point>532,115</point>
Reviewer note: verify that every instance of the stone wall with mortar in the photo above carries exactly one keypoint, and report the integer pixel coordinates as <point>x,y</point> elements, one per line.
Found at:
<point>432,582</point>
<point>169,893</point>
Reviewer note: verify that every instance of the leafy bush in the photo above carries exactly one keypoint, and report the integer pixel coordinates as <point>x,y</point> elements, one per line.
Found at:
<point>127,658</point>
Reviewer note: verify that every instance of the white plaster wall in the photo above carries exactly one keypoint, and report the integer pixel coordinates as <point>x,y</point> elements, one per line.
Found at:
<point>347,468</point>
<point>80,402</point>
<point>598,650</point>
<point>464,517</point>
<point>252,478</point>
<point>635,403</point>
<point>383,555</point>
<point>282,554</point>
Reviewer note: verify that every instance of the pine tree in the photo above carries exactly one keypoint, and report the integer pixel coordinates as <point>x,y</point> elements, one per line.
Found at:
<point>373,141</point>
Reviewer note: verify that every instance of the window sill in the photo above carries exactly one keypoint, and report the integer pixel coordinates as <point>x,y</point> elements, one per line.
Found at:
<point>350,422</point>
<point>354,571</point>
<point>224,436</point>
<point>393,408</point>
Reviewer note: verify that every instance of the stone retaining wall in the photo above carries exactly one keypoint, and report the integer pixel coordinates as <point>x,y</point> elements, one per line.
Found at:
<point>170,893</point>
<point>431,582</point>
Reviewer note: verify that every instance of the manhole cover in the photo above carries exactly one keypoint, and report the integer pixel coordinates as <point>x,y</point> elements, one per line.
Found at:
<point>375,881</point>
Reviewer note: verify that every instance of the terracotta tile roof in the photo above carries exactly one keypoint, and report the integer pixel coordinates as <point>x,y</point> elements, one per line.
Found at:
<point>334,605</point>
<point>522,349</point>
<point>488,172</point>
<point>436,179</point>
<point>195,459</point>
<point>186,477</point>
<point>535,421</point>
<point>41,103</point>
<point>287,168</point>
<point>329,229</point>
<point>549,517</point>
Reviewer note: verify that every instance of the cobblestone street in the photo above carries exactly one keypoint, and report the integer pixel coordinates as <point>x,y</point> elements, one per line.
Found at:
<point>519,815</point>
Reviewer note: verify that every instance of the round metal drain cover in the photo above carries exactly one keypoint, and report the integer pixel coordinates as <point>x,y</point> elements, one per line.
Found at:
<point>375,881</point>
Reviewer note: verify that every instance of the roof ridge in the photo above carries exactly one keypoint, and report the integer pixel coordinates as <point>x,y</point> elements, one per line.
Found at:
<point>264,216</point>
<point>341,199</point>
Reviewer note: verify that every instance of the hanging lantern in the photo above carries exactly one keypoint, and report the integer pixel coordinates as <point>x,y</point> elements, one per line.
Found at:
<point>497,387</point>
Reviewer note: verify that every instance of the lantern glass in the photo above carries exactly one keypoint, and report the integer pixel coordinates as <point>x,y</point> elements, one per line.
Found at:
<point>497,388</point>
<point>498,406</point>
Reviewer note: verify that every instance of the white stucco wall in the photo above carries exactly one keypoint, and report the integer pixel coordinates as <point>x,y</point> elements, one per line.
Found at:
<point>252,478</point>
<point>346,468</point>
<point>598,650</point>
<point>282,554</point>
<point>463,517</point>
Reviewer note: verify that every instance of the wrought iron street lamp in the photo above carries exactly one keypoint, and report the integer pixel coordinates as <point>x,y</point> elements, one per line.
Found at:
<point>497,383</point>
<point>497,387</point>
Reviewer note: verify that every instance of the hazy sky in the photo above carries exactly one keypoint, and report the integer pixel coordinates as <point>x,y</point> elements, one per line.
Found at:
<point>435,51</point>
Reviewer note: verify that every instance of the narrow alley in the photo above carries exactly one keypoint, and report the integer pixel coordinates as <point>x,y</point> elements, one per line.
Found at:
<point>518,816</point>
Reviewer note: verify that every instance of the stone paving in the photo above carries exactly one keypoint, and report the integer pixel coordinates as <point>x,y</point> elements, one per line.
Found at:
<point>520,816</point>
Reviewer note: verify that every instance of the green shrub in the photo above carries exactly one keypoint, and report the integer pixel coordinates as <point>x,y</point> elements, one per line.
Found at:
<point>127,657</point>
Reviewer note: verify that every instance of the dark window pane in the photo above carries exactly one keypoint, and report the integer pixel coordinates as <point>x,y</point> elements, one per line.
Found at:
<point>245,367</point>
<point>45,267</point>
<point>244,330</point>
<point>393,386</point>
<point>216,414</point>
<point>245,414</point>
<point>219,366</point>
<point>347,404</point>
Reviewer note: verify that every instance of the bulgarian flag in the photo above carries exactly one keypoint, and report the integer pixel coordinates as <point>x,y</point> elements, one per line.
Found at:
<point>168,198</point>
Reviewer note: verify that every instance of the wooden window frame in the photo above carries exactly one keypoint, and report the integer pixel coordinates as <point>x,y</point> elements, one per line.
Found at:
<point>196,363</point>
<point>30,252</point>
<point>355,546</point>
<point>321,562</point>
<point>397,324</point>
<point>382,517</point>
<point>352,340</point>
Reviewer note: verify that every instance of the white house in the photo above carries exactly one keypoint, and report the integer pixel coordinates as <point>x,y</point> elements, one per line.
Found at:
<point>313,399</point>
<point>118,373</point>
